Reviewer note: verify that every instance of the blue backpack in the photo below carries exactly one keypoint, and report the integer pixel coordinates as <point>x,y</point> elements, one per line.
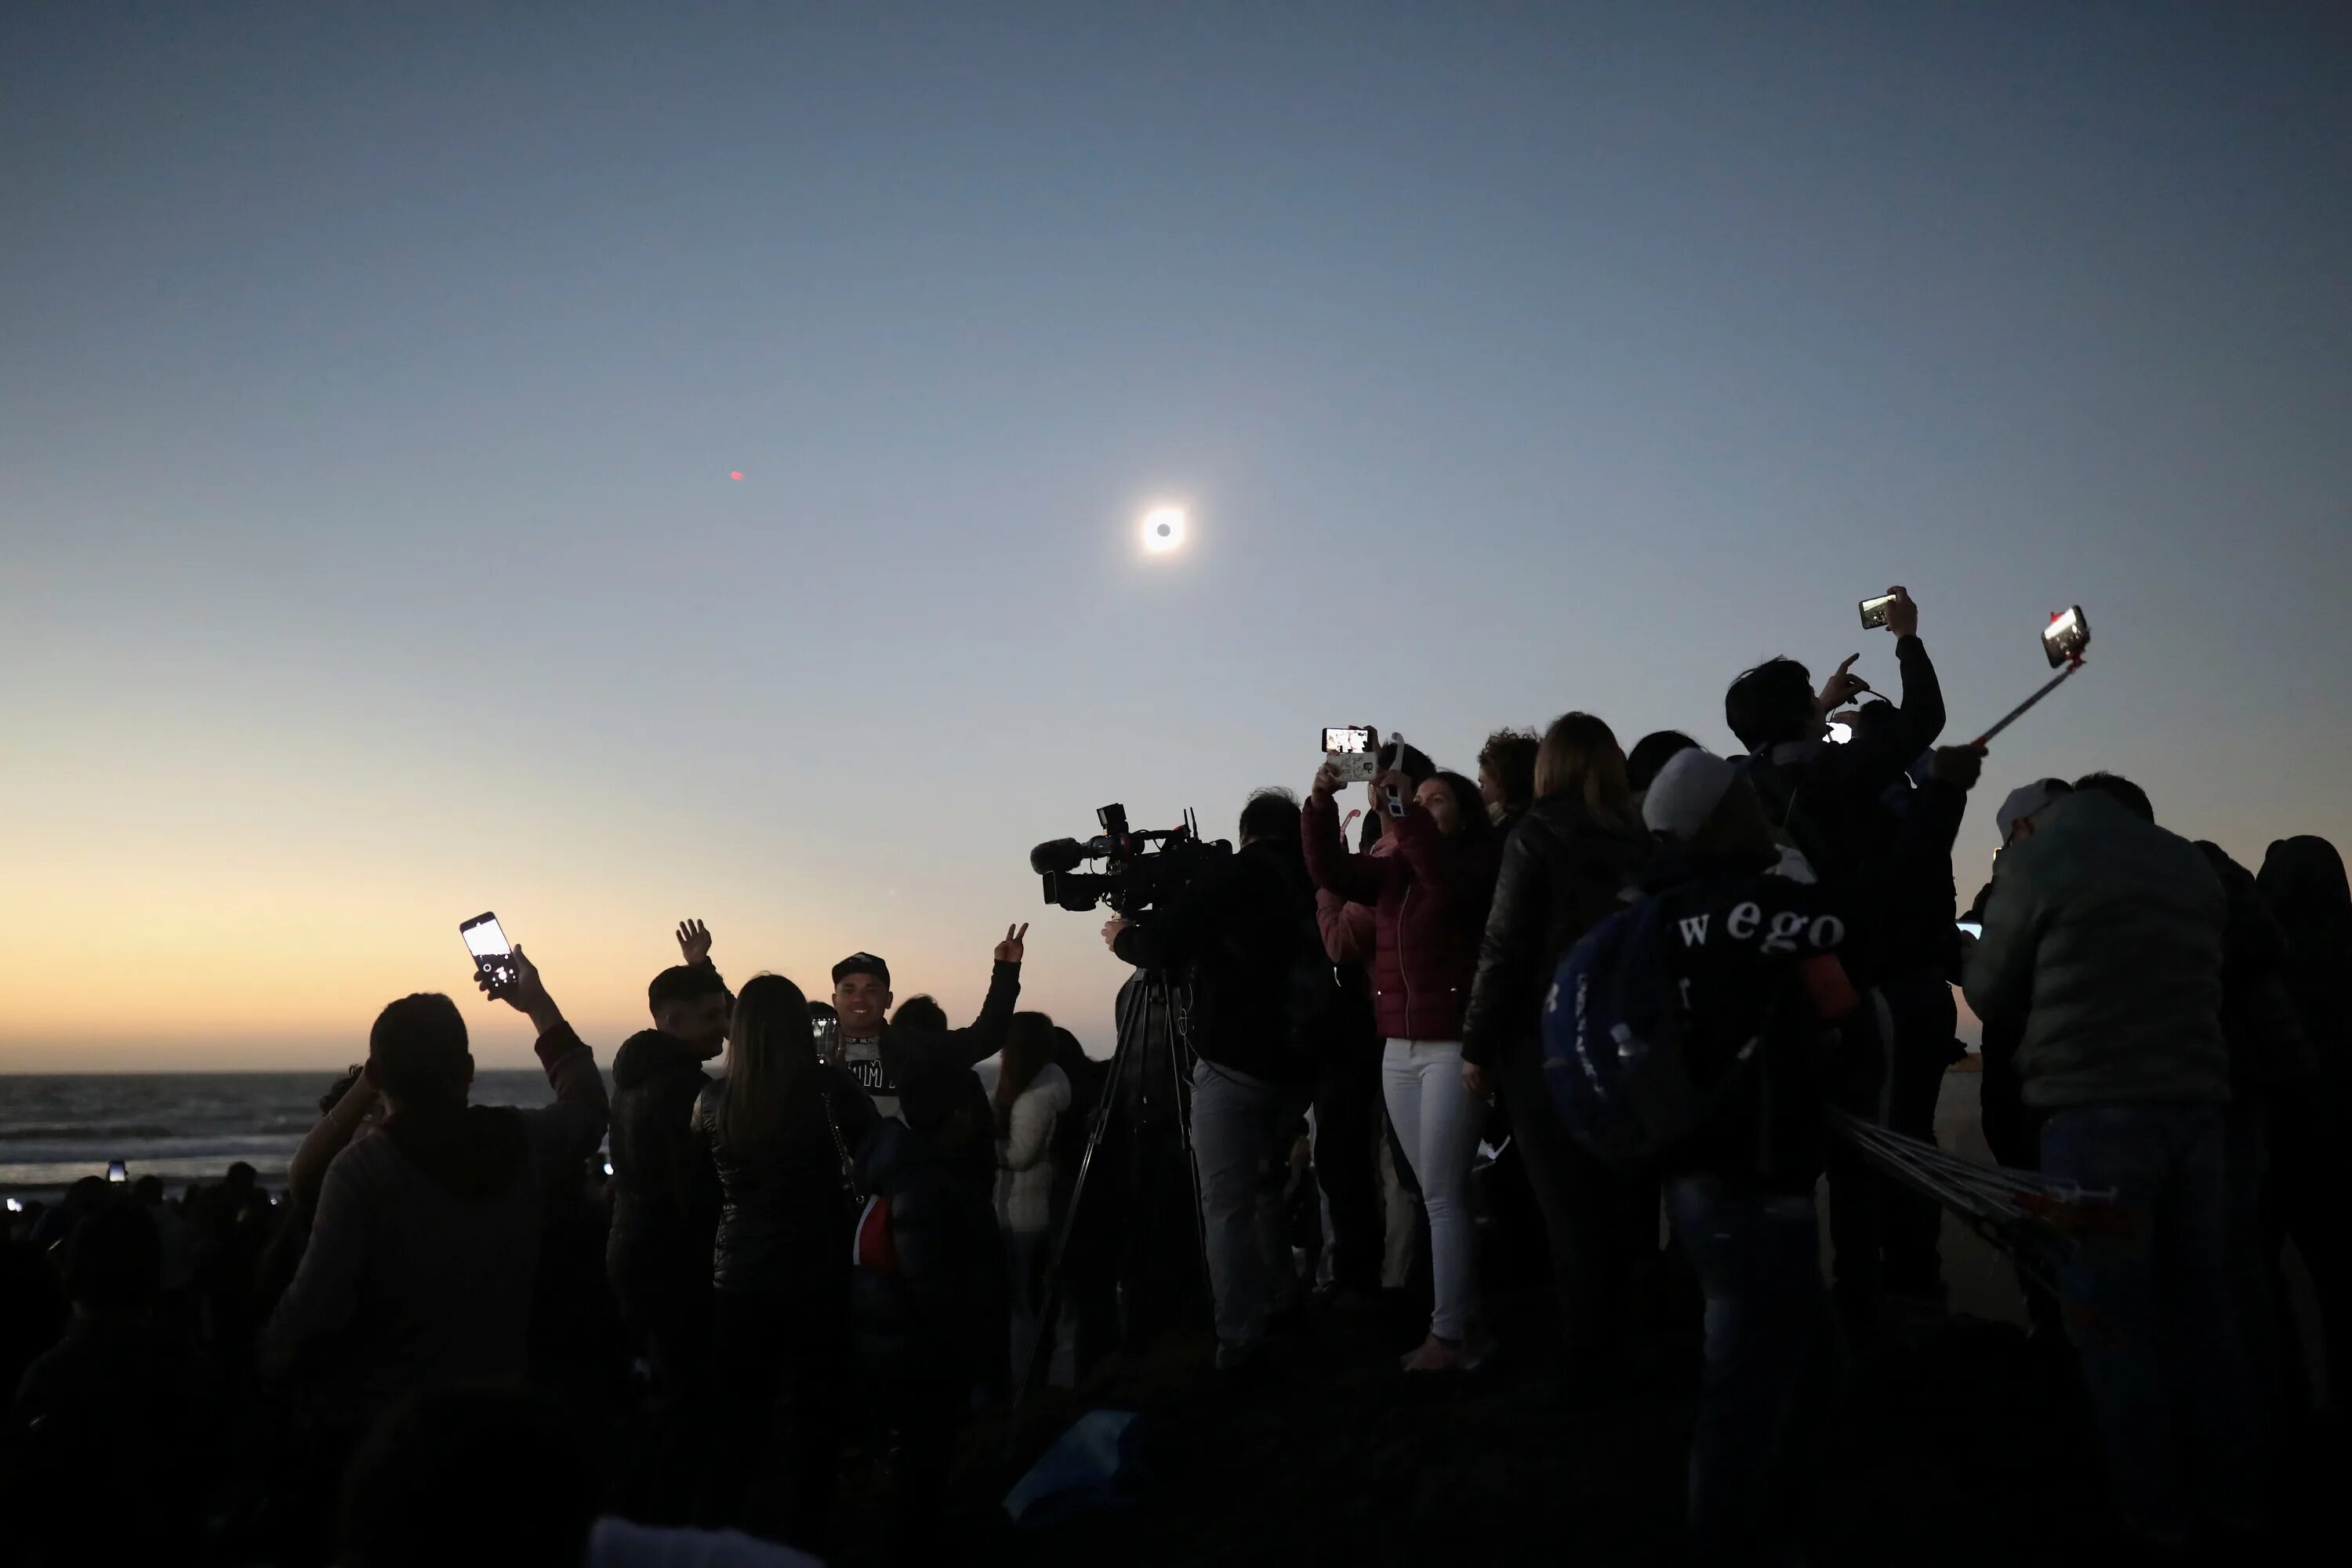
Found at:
<point>1612,1042</point>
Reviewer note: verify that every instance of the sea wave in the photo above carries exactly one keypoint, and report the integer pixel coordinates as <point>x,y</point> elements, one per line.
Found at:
<point>116,1133</point>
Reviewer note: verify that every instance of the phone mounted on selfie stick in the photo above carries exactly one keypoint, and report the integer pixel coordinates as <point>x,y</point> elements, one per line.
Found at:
<point>2064,641</point>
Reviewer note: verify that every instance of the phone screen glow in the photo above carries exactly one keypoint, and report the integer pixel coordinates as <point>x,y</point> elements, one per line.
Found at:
<point>487,941</point>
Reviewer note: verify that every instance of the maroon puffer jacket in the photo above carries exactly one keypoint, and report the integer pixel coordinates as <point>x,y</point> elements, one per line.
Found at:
<point>1429,902</point>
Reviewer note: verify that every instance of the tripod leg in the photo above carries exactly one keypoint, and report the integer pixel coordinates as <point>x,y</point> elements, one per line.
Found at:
<point>1050,1299</point>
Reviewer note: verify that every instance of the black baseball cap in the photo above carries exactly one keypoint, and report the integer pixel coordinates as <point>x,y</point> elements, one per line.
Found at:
<point>862,963</point>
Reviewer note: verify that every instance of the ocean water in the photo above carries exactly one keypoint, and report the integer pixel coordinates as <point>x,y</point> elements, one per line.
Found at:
<point>57,1128</point>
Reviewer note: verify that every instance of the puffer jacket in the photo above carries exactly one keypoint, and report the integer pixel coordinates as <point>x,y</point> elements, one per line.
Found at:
<point>2104,934</point>
<point>1429,901</point>
<point>658,1248</point>
<point>785,1219</point>
<point>1563,872</point>
<point>1024,1157</point>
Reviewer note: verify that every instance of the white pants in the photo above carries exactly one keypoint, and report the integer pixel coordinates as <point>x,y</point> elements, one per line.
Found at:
<point>1438,1122</point>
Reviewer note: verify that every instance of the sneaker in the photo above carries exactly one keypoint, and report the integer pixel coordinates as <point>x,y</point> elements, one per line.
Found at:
<point>1438,1355</point>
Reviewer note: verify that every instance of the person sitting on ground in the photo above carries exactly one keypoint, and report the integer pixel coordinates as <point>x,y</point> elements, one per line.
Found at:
<point>1506,775</point>
<point>657,1251</point>
<point>118,1376</point>
<point>1751,956</point>
<point>428,1234</point>
<point>873,1052</point>
<point>1563,870</point>
<point>2105,933</point>
<point>1031,1101</point>
<point>927,1299</point>
<point>1430,900</point>
<point>775,1139</point>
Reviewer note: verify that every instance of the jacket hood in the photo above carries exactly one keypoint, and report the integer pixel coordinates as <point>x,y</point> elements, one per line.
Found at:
<point>649,1053</point>
<point>473,1151</point>
<point>2302,881</point>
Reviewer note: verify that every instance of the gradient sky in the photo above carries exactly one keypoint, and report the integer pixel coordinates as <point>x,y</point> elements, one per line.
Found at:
<point>370,377</point>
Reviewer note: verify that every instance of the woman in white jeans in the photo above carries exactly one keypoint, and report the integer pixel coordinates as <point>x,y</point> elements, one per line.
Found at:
<point>1429,899</point>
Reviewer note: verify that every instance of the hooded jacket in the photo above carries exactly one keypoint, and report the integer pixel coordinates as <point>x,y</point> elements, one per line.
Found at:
<point>425,1247</point>
<point>1563,872</point>
<point>2303,882</point>
<point>2104,934</point>
<point>1429,900</point>
<point>2267,1049</point>
<point>659,1246</point>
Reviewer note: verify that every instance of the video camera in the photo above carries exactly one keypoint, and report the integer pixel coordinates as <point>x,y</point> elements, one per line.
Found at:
<point>1134,876</point>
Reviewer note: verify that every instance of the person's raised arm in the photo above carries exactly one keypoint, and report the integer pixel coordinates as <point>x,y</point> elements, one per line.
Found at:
<point>1457,874</point>
<point>1352,876</point>
<point>984,1036</point>
<point>567,1132</point>
<point>307,1172</point>
<point>1347,928</point>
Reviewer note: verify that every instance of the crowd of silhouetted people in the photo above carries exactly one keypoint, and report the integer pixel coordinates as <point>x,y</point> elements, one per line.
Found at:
<point>736,1300</point>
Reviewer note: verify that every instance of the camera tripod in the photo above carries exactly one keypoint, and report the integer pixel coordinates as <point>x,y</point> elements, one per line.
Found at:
<point>1156,997</point>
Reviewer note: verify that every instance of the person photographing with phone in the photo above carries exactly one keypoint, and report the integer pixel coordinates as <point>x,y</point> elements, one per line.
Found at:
<point>1429,900</point>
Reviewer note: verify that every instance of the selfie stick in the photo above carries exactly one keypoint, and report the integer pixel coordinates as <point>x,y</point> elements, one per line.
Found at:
<point>2014,714</point>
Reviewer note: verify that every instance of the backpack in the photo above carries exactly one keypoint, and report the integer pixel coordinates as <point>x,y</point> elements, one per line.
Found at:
<point>1613,1041</point>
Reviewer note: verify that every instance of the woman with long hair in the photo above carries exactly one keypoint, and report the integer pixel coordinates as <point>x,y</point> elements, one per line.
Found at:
<point>1032,1097</point>
<point>1567,864</point>
<point>775,1135</point>
<point>1429,902</point>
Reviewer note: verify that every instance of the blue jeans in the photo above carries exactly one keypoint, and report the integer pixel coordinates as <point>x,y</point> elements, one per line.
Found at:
<point>1771,1340</point>
<point>2148,1306</point>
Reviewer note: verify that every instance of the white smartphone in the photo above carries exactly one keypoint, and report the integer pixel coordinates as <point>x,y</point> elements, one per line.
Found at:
<point>1394,747</point>
<point>493,954</point>
<point>1349,750</point>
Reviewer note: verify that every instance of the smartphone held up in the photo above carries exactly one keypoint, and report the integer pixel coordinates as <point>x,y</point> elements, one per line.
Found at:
<point>1349,752</point>
<point>1873,611</point>
<point>2066,636</point>
<point>493,954</point>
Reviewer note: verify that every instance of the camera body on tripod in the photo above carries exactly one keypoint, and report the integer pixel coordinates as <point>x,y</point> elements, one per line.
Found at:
<point>1139,868</point>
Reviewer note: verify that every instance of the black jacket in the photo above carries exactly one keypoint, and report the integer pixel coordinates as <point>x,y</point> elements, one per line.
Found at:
<point>1754,958</point>
<point>1240,932</point>
<point>2268,1050</point>
<point>659,1245</point>
<point>1905,891</point>
<point>1563,872</point>
<point>1827,796</point>
<point>931,1307</point>
<point>785,1218</point>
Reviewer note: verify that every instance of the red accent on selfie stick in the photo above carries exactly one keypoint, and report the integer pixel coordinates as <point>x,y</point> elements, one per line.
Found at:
<point>2014,714</point>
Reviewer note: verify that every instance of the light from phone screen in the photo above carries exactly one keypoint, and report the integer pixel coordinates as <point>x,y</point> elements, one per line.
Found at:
<point>487,941</point>
<point>1969,928</point>
<point>1345,742</point>
<point>1840,733</point>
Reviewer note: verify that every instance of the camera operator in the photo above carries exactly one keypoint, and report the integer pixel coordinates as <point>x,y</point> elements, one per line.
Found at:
<point>1238,930</point>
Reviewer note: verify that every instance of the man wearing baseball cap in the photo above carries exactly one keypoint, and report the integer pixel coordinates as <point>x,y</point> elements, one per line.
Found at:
<point>878,1055</point>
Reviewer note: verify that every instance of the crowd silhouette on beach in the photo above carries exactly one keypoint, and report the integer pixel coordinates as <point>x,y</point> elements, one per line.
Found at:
<point>744,1293</point>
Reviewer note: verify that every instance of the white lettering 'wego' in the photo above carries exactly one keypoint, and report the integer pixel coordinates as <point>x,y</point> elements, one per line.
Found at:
<point>1742,921</point>
<point>1694,930</point>
<point>1828,931</point>
<point>1781,938</point>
